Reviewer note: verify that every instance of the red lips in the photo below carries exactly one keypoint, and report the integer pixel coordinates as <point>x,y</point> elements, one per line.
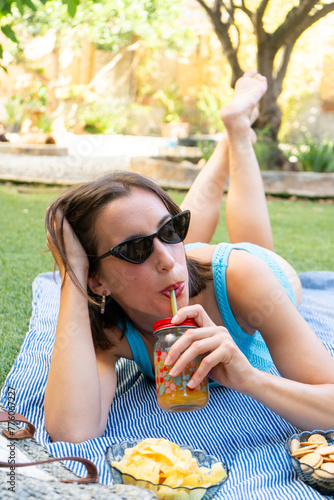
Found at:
<point>178,287</point>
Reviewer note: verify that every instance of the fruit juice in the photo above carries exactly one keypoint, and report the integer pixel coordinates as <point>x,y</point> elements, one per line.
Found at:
<point>172,392</point>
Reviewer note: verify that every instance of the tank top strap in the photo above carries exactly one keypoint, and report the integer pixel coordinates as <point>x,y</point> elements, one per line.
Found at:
<point>139,351</point>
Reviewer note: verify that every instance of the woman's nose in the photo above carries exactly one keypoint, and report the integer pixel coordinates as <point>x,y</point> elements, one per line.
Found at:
<point>163,254</point>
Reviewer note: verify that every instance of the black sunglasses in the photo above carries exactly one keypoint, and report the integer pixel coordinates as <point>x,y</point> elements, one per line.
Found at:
<point>137,250</point>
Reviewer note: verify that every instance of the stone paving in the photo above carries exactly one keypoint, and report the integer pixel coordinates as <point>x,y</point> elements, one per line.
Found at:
<point>90,156</point>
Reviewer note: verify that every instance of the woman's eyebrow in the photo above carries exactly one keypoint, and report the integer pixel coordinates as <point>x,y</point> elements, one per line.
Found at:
<point>163,219</point>
<point>159,224</point>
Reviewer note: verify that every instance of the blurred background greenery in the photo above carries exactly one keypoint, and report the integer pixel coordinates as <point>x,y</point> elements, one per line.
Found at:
<point>138,68</point>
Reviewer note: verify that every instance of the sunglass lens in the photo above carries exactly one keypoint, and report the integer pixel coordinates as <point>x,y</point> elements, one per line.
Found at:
<point>175,230</point>
<point>136,250</point>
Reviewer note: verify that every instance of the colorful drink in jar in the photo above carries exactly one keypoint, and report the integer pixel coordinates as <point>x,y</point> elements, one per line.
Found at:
<point>172,392</point>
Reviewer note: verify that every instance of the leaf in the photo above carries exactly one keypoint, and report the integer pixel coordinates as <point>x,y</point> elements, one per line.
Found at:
<point>1,55</point>
<point>29,4</point>
<point>19,4</point>
<point>71,6</point>
<point>9,33</point>
<point>5,7</point>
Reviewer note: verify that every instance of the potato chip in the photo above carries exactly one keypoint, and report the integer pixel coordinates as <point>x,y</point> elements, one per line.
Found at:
<point>162,462</point>
<point>217,473</point>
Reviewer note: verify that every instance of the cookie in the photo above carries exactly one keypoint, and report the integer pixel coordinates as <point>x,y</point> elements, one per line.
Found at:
<point>313,459</point>
<point>304,450</point>
<point>317,438</point>
<point>326,450</point>
<point>326,471</point>
<point>295,445</point>
<point>329,467</point>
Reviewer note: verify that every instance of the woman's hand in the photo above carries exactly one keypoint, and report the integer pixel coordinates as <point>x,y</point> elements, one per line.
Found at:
<point>222,359</point>
<point>76,256</point>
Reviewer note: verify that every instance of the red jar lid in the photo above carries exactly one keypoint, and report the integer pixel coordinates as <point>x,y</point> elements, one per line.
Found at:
<point>166,323</point>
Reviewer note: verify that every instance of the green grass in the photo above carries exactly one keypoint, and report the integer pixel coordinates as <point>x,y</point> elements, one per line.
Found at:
<point>303,232</point>
<point>22,243</point>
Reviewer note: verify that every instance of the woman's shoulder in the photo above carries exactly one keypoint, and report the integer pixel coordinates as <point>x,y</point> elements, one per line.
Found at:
<point>200,251</point>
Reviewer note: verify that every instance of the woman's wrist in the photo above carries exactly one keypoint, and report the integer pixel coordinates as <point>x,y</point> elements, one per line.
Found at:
<point>75,277</point>
<point>254,383</point>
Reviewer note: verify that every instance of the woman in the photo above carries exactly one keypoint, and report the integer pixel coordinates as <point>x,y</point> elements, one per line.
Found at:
<point>122,236</point>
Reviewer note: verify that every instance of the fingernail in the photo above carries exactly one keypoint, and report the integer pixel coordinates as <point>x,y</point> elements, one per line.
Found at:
<point>175,318</point>
<point>190,384</point>
<point>172,372</point>
<point>167,360</point>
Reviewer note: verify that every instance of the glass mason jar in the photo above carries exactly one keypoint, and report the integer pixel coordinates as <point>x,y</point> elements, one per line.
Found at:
<point>172,392</point>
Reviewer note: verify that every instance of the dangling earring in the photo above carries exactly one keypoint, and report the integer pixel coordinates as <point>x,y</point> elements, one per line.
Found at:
<point>103,303</point>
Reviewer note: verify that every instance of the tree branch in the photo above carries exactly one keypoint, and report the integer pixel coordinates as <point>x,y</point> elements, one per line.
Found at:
<point>231,21</point>
<point>230,10</point>
<point>319,14</point>
<point>245,9</point>
<point>206,7</point>
<point>278,81</point>
<point>221,29</point>
<point>260,32</point>
<point>291,22</point>
<point>261,9</point>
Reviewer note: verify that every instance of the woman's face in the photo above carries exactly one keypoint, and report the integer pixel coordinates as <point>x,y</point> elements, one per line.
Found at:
<point>142,290</point>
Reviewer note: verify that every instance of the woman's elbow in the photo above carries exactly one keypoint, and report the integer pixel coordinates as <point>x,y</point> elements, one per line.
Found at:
<point>72,433</point>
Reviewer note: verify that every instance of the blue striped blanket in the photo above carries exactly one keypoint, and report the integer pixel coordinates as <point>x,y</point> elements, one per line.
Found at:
<point>233,427</point>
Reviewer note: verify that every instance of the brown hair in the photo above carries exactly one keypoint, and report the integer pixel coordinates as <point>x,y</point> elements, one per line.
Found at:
<point>81,206</point>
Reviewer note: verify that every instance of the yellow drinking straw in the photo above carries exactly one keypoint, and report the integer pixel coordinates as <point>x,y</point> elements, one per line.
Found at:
<point>173,302</point>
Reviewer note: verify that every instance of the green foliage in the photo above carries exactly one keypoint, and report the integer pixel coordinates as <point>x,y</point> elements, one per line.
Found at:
<point>9,33</point>
<point>172,102</point>
<point>209,102</point>
<point>109,116</point>
<point>29,104</point>
<point>314,155</point>
<point>10,7</point>
<point>207,148</point>
<point>264,147</point>
<point>111,25</point>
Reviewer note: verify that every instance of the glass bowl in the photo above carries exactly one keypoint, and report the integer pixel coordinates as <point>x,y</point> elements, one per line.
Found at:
<point>165,492</point>
<point>321,480</point>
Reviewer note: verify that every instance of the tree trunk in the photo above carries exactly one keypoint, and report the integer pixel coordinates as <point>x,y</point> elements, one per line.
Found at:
<point>270,116</point>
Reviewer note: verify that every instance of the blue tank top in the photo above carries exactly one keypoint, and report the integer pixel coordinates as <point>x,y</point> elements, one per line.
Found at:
<point>253,346</point>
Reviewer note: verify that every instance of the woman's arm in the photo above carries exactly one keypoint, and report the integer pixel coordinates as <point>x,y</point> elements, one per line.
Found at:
<point>81,384</point>
<point>304,395</point>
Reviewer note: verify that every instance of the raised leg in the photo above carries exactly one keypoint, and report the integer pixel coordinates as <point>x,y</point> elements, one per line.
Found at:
<point>246,210</point>
<point>205,195</point>
<point>247,215</point>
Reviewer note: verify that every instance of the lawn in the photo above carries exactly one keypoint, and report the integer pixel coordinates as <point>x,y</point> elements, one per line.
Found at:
<point>303,233</point>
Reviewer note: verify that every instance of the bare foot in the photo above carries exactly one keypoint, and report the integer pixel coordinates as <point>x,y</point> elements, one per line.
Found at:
<point>242,111</point>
